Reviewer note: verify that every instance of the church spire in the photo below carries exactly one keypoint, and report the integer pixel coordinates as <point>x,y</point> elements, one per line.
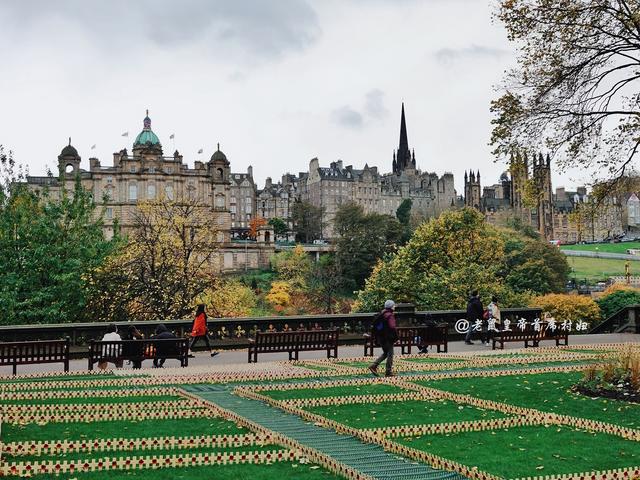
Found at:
<point>403,157</point>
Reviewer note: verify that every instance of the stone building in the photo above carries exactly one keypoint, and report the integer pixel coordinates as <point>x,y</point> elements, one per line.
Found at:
<point>332,186</point>
<point>147,174</point>
<point>276,200</point>
<point>568,217</point>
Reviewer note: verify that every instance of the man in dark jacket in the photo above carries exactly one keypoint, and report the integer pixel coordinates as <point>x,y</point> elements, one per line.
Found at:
<point>162,348</point>
<point>384,330</point>
<point>474,312</point>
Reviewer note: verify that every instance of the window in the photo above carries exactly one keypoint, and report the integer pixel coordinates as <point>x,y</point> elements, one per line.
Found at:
<point>151,191</point>
<point>152,169</point>
<point>233,209</point>
<point>109,179</point>
<point>133,191</point>
<point>108,193</point>
<point>220,201</point>
<point>247,208</point>
<point>109,213</point>
<point>133,169</point>
<point>168,192</point>
<point>220,237</point>
<point>233,199</point>
<point>169,170</point>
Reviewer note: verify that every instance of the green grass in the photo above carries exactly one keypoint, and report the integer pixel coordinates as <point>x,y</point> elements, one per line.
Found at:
<point>386,414</point>
<point>119,429</point>
<point>93,400</point>
<point>432,360</point>
<point>603,247</point>
<point>374,389</point>
<point>529,451</point>
<point>597,269</point>
<point>73,456</point>
<point>272,471</point>
<point>547,392</point>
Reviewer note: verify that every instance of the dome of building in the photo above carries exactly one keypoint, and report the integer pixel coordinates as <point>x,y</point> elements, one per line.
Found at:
<point>146,137</point>
<point>218,155</point>
<point>69,151</point>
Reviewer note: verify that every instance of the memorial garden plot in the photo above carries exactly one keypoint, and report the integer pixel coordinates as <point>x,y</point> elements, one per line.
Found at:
<point>484,416</point>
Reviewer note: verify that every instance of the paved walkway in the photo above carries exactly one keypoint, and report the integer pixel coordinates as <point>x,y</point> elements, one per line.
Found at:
<point>236,360</point>
<point>366,458</point>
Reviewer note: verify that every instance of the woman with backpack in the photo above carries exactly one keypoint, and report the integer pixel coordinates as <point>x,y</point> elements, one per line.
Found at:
<point>384,330</point>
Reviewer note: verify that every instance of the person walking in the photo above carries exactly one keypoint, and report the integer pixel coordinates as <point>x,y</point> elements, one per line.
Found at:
<point>494,318</point>
<point>384,330</point>
<point>199,330</point>
<point>474,313</point>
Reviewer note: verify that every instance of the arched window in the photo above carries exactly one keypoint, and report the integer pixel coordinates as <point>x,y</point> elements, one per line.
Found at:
<point>220,173</point>
<point>151,190</point>
<point>220,201</point>
<point>168,192</point>
<point>133,191</point>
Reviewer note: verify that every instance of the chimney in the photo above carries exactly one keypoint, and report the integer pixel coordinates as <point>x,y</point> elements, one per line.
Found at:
<point>268,183</point>
<point>339,164</point>
<point>94,164</point>
<point>250,171</point>
<point>560,193</point>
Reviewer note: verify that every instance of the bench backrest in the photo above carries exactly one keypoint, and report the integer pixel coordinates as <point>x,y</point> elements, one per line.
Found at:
<point>42,351</point>
<point>266,341</point>
<point>134,349</point>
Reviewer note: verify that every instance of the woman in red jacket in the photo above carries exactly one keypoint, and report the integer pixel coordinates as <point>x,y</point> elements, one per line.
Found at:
<point>199,330</point>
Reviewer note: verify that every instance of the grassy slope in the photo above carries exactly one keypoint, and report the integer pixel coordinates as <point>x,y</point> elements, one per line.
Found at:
<point>376,415</point>
<point>528,451</point>
<point>603,247</point>
<point>548,392</point>
<point>597,269</point>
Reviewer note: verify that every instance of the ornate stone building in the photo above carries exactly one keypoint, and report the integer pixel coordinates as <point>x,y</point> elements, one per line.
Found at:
<point>147,174</point>
<point>568,217</point>
<point>330,187</point>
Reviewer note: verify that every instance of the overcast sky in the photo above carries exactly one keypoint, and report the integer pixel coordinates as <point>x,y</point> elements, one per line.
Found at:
<point>275,82</point>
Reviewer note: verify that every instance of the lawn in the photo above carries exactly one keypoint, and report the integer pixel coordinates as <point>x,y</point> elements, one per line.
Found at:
<point>520,452</point>
<point>374,389</point>
<point>411,412</point>
<point>118,429</point>
<point>547,392</point>
<point>603,247</point>
<point>598,269</point>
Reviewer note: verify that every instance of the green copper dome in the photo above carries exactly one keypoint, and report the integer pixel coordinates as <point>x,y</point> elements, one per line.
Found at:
<point>146,136</point>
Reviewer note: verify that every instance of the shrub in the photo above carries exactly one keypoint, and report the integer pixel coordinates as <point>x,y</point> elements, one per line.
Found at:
<point>229,299</point>
<point>568,307</point>
<point>616,287</point>
<point>613,302</point>
<point>280,294</point>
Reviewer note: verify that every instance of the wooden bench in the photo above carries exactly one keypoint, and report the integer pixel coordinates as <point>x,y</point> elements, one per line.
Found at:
<point>408,337</point>
<point>529,335</point>
<point>40,351</point>
<point>115,351</point>
<point>294,342</point>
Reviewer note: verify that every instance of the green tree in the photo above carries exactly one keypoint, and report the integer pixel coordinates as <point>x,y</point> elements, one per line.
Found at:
<point>307,221</point>
<point>613,302</point>
<point>292,266</point>
<point>280,227</point>
<point>532,264</point>
<point>403,214</point>
<point>445,259</point>
<point>575,88</point>
<point>363,239</point>
<point>49,245</point>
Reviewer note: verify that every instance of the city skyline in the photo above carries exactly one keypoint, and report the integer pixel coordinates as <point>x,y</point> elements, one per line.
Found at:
<point>309,85</point>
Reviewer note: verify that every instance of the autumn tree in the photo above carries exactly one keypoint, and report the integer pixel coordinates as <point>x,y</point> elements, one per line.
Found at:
<point>164,268</point>
<point>254,226</point>
<point>325,283</point>
<point>575,90</point>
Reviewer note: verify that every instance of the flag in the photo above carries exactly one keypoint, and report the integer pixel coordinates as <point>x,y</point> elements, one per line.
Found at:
<point>125,134</point>
<point>200,151</point>
<point>93,147</point>
<point>172,136</point>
